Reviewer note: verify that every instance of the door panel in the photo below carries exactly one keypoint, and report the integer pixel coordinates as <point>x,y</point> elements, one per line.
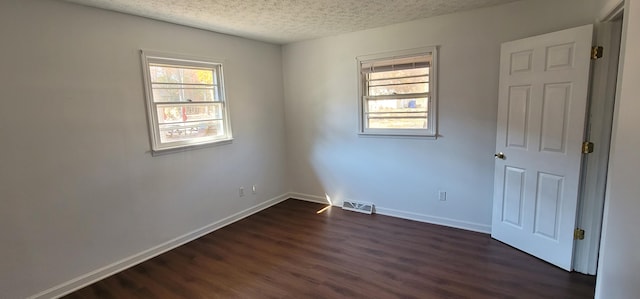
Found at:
<point>514,191</point>
<point>541,117</point>
<point>555,101</point>
<point>548,201</point>
<point>560,57</point>
<point>517,120</point>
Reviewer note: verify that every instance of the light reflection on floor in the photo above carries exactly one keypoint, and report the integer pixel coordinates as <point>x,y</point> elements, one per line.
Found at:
<point>327,207</point>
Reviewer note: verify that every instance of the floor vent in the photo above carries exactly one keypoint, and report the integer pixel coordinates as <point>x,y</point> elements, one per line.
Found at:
<point>358,206</point>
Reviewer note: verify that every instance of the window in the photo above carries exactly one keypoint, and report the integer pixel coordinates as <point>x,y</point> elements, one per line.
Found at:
<point>185,101</point>
<point>397,93</point>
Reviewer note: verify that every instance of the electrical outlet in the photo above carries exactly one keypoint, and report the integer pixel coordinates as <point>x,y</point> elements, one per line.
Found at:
<point>442,195</point>
<point>241,191</point>
<point>254,190</point>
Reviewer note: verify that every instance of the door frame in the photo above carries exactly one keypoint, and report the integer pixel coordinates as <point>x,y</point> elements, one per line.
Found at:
<point>599,124</point>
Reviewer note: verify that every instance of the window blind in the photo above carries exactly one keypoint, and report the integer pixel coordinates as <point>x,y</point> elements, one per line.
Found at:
<point>396,64</point>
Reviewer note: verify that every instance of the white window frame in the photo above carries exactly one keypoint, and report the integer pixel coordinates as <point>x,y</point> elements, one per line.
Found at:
<point>178,60</point>
<point>432,115</point>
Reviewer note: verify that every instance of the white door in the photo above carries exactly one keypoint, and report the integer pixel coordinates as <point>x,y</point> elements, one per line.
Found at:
<point>541,116</point>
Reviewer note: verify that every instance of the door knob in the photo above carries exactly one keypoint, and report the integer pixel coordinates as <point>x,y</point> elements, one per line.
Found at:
<point>500,155</point>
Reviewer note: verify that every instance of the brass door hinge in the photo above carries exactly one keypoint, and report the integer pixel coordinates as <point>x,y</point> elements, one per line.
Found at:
<point>578,234</point>
<point>587,147</point>
<point>596,52</point>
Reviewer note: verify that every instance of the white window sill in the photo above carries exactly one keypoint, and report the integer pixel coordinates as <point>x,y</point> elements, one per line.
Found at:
<point>399,136</point>
<point>182,148</point>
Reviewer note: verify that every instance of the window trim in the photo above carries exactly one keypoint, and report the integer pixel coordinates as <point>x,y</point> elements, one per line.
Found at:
<point>432,117</point>
<point>152,57</point>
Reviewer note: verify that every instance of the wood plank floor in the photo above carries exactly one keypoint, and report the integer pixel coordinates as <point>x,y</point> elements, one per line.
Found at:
<point>291,251</point>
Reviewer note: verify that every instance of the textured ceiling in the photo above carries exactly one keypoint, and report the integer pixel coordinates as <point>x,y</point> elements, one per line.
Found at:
<point>286,21</point>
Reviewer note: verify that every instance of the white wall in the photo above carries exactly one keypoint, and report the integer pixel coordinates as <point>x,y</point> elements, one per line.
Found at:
<point>403,176</point>
<point>78,187</point>
<point>619,265</point>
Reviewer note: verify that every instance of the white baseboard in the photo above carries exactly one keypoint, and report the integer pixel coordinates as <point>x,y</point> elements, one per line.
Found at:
<point>96,275</point>
<point>476,227</point>
<point>311,198</point>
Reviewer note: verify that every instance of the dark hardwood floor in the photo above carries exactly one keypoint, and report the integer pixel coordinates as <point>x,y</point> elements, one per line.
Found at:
<point>291,251</point>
